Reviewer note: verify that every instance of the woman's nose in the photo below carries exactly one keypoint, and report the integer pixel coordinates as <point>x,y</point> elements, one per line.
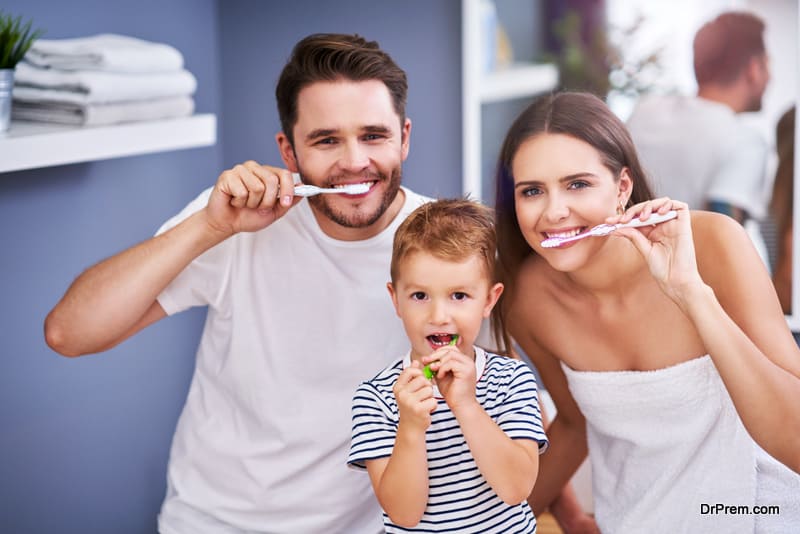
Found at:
<point>556,209</point>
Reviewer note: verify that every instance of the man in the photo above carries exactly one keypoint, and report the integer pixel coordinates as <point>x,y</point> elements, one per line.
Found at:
<point>697,149</point>
<point>297,313</point>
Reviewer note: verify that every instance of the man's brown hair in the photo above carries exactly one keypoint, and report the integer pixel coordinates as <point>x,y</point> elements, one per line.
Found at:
<point>330,57</point>
<point>724,46</point>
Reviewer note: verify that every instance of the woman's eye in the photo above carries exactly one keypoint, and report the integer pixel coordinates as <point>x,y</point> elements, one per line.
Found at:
<point>418,295</point>
<point>531,191</point>
<point>578,184</point>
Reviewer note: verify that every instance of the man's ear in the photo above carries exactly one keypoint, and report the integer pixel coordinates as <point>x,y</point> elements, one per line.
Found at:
<point>494,295</point>
<point>393,295</point>
<point>287,152</point>
<point>405,138</point>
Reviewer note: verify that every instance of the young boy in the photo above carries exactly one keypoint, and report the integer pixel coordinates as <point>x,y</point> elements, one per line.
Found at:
<point>458,452</point>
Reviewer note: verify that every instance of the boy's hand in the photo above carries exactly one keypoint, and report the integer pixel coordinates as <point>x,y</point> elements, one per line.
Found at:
<point>455,375</point>
<point>414,394</point>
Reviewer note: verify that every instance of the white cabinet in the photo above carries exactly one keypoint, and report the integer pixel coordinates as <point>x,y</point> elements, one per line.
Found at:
<point>479,88</point>
<point>29,145</point>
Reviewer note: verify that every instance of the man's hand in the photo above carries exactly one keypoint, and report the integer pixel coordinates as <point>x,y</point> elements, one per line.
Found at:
<point>250,197</point>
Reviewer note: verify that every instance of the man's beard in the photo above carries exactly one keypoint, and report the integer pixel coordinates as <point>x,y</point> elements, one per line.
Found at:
<point>359,219</point>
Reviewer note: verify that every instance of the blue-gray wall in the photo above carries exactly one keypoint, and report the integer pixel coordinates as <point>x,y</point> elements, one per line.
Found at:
<point>84,442</point>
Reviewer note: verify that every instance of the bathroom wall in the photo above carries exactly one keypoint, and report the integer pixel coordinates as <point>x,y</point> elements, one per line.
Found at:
<point>84,442</point>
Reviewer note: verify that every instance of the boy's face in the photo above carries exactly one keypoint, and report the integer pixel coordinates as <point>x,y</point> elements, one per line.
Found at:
<point>348,132</point>
<point>438,298</point>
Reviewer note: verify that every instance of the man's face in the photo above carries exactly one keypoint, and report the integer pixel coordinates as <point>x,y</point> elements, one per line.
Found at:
<point>348,132</point>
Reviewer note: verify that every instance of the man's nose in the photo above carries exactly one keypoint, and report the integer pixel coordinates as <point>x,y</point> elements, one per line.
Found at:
<point>354,157</point>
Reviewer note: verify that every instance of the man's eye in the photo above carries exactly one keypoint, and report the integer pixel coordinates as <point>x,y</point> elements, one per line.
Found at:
<point>326,141</point>
<point>373,137</point>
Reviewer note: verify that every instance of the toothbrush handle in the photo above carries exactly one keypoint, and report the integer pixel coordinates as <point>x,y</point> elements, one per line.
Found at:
<point>305,190</point>
<point>655,218</point>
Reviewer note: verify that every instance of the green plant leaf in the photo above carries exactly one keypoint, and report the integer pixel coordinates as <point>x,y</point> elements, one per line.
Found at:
<point>16,39</point>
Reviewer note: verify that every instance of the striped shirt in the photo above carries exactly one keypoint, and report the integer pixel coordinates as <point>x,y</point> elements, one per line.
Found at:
<point>459,498</point>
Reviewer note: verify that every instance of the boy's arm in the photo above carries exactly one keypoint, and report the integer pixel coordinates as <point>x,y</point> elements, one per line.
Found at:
<point>400,481</point>
<point>509,465</point>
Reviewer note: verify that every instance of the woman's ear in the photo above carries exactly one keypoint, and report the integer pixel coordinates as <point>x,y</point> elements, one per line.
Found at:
<point>624,187</point>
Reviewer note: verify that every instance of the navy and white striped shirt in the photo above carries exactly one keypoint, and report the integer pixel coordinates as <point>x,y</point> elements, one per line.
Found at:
<point>459,498</point>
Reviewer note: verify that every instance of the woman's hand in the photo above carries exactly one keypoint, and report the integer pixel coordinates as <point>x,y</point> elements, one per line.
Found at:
<point>668,248</point>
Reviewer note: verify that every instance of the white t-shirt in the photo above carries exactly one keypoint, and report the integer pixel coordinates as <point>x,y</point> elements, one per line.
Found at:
<point>696,150</point>
<point>295,321</point>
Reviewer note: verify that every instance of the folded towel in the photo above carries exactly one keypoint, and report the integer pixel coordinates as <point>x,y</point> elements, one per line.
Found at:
<point>103,114</point>
<point>93,87</point>
<point>109,52</point>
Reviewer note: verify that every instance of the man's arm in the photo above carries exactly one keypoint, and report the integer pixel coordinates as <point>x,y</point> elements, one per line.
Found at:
<point>116,298</point>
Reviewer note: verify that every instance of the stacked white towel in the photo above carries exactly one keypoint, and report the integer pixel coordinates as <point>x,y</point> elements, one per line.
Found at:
<point>103,79</point>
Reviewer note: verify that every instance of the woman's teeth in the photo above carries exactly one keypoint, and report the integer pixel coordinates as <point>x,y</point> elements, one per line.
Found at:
<point>563,235</point>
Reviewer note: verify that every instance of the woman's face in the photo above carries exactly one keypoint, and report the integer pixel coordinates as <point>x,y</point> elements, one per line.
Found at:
<point>562,188</point>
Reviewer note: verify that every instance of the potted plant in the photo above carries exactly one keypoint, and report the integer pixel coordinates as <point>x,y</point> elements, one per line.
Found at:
<point>15,40</point>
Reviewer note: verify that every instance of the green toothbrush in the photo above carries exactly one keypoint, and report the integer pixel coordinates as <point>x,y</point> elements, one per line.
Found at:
<point>427,371</point>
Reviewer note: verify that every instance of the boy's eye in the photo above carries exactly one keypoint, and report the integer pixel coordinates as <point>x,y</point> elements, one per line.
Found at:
<point>418,295</point>
<point>460,295</point>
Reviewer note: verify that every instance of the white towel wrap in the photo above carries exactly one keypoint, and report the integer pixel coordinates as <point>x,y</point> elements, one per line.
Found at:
<point>667,445</point>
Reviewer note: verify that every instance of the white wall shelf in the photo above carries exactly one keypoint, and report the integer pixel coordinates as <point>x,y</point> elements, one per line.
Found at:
<point>30,145</point>
<point>519,80</point>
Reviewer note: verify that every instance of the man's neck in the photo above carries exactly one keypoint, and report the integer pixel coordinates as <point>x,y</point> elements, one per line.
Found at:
<point>728,96</point>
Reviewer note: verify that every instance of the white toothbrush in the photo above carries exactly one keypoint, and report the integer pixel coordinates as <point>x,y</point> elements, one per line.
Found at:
<point>305,190</point>
<point>605,229</point>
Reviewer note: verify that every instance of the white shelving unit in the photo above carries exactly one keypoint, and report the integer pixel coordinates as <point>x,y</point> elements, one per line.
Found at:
<point>478,88</point>
<point>30,145</point>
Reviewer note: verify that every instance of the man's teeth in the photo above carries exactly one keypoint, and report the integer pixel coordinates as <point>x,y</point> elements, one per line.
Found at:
<point>562,235</point>
<point>369,183</point>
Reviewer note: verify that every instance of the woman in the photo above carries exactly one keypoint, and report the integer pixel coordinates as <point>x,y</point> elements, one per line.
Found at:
<point>664,348</point>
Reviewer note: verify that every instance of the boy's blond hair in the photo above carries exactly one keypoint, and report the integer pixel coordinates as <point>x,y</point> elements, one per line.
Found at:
<point>448,229</point>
